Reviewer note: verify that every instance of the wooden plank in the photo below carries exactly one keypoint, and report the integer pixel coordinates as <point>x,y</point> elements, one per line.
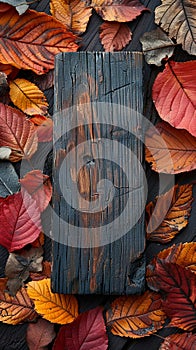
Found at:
<point>99,247</point>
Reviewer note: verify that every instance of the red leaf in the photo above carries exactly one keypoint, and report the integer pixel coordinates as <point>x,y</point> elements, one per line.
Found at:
<point>20,220</point>
<point>86,332</point>
<point>45,130</point>
<point>40,334</point>
<point>174,95</point>
<point>39,186</point>
<point>179,341</point>
<point>114,35</point>
<point>180,285</point>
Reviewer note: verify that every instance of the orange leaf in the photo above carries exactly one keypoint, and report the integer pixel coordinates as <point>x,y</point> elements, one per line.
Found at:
<point>118,10</point>
<point>32,40</point>
<point>8,69</point>
<point>181,254</point>
<point>72,13</point>
<point>180,144</point>
<point>18,309</point>
<point>56,308</point>
<point>174,95</point>
<point>39,242</point>
<point>179,200</point>
<point>17,133</point>
<point>114,35</point>
<point>179,341</point>
<point>136,316</point>
<point>28,97</point>
<point>38,119</point>
<point>39,187</point>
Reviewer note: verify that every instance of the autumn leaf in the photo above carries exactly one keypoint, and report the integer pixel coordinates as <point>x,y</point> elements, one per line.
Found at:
<point>45,131</point>
<point>28,97</point>
<point>40,334</point>
<point>18,309</point>
<point>19,265</point>
<point>8,179</point>
<point>179,284</point>
<point>117,10</point>
<point>180,145</point>
<point>20,220</point>
<point>178,18</point>
<point>17,133</point>
<point>174,95</point>
<point>156,46</point>
<point>3,83</point>
<point>39,187</point>
<point>32,40</point>
<point>56,308</point>
<point>21,5</point>
<point>38,119</point>
<point>136,316</point>
<point>39,241</point>
<point>8,69</point>
<point>87,332</point>
<point>46,272</point>
<point>179,341</point>
<point>114,36</point>
<point>183,254</point>
<point>177,204</point>
<point>5,153</point>
<point>45,81</point>
<point>72,13</point>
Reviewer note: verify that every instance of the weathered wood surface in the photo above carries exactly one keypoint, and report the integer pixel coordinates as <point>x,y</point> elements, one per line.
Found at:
<point>91,90</point>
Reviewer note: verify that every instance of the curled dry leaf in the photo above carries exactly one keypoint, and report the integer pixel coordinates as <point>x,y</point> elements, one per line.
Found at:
<point>170,150</point>
<point>87,332</point>
<point>17,133</point>
<point>39,187</point>
<point>183,254</point>
<point>178,18</point>
<point>46,272</point>
<point>34,47</point>
<point>19,265</point>
<point>8,179</point>
<point>136,316</point>
<point>174,95</point>
<point>179,303</point>
<point>72,13</point>
<point>156,46</point>
<point>179,199</point>
<point>179,341</point>
<point>57,308</point>
<point>117,10</point>
<point>20,220</point>
<point>18,309</point>
<point>40,334</point>
<point>114,35</point>
<point>28,97</point>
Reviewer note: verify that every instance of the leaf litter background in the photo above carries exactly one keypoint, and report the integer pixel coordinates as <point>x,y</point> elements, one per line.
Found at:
<point>164,316</point>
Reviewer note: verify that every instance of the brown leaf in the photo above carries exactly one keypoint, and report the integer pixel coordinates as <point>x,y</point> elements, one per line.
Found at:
<point>45,131</point>
<point>181,254</point>
<point>39,242</point>
<point>156,46</point>
<point>46,272</point>
<point>44,82</point>
<point>114,35</point>
<point>28,97</point>
<point>17,133</point>
<point>178,18</point>
<point>19,265</point>
<point>177,204</point>
<point>37,42</point>
<point>40,334</point>
<point>175,155</point>
<point>136,316</point>
<point>179,341</point>
<point>72,13</point>
<point>18,309</point>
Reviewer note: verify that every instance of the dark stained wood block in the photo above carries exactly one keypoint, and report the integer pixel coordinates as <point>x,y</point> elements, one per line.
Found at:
<point>98,200</point>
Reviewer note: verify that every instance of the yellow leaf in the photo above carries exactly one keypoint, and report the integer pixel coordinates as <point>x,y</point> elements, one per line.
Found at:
<point>54,307</point>
<point>72,13</point>
<point>28,97</point>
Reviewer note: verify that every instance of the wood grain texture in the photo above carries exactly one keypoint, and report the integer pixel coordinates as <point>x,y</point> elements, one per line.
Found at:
<point>83,80</point>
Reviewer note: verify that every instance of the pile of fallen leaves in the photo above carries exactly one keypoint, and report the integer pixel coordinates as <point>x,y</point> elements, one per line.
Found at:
<point>29,41</point>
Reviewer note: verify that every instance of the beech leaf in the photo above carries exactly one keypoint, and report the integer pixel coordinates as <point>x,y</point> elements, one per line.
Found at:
<point>174,95</point>
<point>20,221</point>
<point>37,42</point>
<point>136,316</point>
<point>28,97</point>
<point>87,332</point>
<point>179,341</point>
<point>178,18</point>
<point>8,179</point>
<point>179,199</point>
<point>114,35</point>
<point>180,145</point>
<point>156,46</point>
<point>56,308</point>
<point>45,131</point>
<point>40,334</point>
<point>19,265</point>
